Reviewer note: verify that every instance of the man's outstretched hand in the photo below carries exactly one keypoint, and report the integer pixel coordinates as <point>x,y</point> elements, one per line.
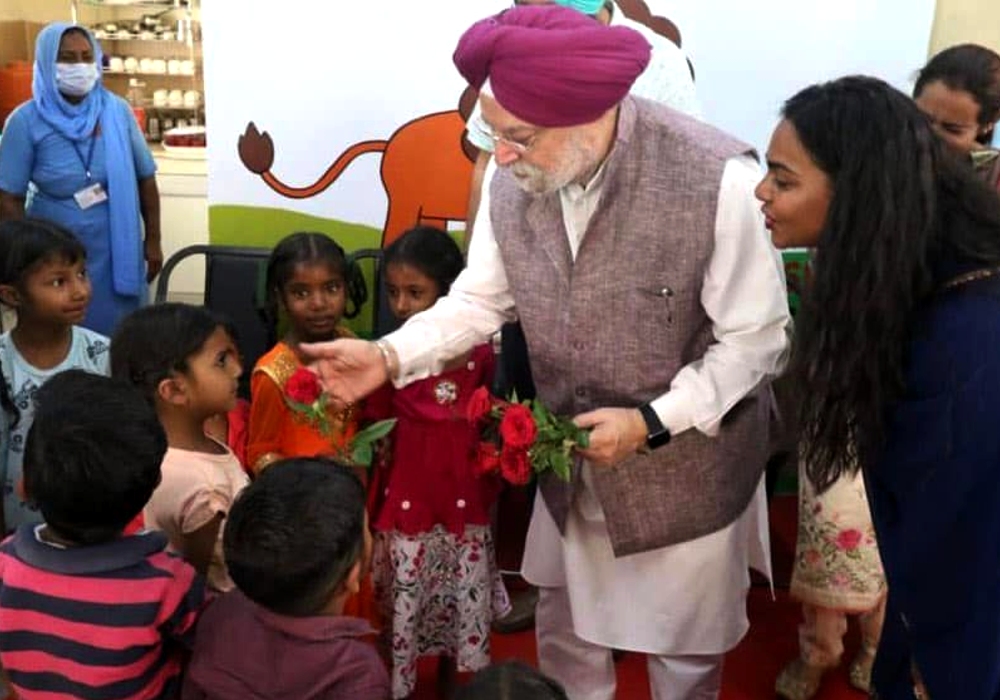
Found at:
<point>348,369</point>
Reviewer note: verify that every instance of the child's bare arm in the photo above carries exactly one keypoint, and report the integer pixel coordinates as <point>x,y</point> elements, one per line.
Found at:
<point>198,547</point>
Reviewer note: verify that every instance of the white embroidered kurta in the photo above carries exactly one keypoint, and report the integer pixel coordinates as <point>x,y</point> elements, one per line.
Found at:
<point>683,599</point>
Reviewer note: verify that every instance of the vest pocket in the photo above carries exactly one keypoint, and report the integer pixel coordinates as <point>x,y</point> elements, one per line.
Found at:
<point>663,293</point>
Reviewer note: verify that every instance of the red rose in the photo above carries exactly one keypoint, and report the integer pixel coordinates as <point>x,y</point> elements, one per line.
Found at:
<point>517,428</point>
<point>515,466</point>
<point>487,458</point>
<point>849,539</point>
<point>303,387</point>
<point>479,406</point>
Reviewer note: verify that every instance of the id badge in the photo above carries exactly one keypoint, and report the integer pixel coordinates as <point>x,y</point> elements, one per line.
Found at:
<point>90,196</point>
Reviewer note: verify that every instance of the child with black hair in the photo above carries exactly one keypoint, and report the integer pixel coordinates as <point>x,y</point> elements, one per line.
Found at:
<point>43,277</point>
<point>297,545</point>
<point>432,509</point>
<point>9,416</point>
<point>184,361</point>
<point>311,286</point>
<point>511,680</point>
<point>83,607</point>
<point>959,91</point>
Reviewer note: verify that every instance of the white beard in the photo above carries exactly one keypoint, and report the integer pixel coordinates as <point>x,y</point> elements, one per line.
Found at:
<point>576,159</point>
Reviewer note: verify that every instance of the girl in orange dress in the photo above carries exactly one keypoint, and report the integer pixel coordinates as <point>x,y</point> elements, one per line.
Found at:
<point>311,286</point>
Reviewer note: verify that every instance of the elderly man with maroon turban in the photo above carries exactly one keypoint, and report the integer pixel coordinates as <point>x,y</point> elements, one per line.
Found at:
<point>626,238</point>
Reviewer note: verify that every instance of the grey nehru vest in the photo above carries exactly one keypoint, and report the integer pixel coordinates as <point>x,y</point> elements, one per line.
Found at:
<point>613,327</point>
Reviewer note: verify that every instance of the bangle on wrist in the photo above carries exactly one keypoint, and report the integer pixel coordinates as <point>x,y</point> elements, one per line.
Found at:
<point>389,357</point>
<point>264,461</point>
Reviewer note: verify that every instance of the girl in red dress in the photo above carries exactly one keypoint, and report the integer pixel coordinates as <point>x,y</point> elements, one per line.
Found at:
<point>435,573</point>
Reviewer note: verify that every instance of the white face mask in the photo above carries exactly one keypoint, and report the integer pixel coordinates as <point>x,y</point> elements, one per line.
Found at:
<point>76,79</point>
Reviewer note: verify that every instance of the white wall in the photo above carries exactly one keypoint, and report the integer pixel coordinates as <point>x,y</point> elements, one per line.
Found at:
<point>321,76</point>
<point>962,21</point>
<point>751,56</point>
<point>35,10</point>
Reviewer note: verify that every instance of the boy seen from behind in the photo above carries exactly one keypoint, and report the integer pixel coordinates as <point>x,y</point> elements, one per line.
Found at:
<point>297,546</point>
<point>86,612</point>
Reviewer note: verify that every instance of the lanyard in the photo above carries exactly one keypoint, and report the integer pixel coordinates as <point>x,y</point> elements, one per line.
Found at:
<point>90,154</point>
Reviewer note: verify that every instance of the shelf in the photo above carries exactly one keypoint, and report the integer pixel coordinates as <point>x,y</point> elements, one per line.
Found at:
<point>164,108</point>
<point>126,74</point>
<point>143,41</point>
<point>156,33</point>
<point>158,4</point>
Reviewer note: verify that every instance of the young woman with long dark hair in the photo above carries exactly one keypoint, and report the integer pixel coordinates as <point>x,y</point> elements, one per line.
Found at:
<point>895,357</point>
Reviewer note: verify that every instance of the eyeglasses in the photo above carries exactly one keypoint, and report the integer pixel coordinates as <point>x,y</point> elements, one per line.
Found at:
<point>484,131</point>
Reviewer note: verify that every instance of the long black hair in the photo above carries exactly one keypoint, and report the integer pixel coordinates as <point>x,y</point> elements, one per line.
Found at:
<point>307,247</point>
<point>430,250</point>
<point>904,209</point>
<point>973,69</point>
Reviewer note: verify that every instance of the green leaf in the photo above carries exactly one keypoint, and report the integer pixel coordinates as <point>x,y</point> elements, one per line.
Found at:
<point>374,432</point>
<point>363,455</point>
<point>560,465</point>
<point>548,434</point>
<point>538,413</point>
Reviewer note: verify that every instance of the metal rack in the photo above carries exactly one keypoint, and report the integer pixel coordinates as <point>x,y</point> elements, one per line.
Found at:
<point>174,38</point>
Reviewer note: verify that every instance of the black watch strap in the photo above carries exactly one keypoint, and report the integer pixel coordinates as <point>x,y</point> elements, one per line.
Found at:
<point>656,434</point>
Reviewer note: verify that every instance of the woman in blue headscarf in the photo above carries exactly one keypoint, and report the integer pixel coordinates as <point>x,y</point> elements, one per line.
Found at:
<point>74,155</point>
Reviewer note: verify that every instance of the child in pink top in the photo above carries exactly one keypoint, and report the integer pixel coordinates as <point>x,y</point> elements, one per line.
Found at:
<point>184,360</point>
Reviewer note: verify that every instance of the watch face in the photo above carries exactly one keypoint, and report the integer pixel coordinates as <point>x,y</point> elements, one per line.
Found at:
<point>656,434</point>
<point>658,439</point>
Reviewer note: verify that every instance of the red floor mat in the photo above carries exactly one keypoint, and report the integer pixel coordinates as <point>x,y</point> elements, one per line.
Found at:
<point>750,668</point>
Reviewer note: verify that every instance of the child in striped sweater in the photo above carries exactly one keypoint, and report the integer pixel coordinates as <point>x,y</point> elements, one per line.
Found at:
<point>86,611</point>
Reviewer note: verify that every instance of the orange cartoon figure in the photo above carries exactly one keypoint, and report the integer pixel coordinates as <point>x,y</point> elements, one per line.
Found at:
<point>427,163</point>
<point>426,169</point>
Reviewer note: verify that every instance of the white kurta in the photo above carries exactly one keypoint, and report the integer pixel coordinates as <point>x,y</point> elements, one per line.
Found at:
<point>684,599</point>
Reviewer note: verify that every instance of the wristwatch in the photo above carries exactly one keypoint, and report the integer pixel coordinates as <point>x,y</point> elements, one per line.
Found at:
<point>656,434</point>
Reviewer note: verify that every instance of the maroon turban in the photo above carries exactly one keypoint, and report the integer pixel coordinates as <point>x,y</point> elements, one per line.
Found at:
<point>550,65</point>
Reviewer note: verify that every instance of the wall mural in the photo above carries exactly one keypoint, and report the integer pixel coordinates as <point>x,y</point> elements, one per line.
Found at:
<point>343,117</point>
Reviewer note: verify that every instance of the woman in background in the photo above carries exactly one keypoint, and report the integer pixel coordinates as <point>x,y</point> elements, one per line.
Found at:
<point>959,91</point>
<point>74,155</point>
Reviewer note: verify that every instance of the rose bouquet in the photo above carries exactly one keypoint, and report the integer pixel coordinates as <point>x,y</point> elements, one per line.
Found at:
<point>305,396</point>
<point>522,438</point>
